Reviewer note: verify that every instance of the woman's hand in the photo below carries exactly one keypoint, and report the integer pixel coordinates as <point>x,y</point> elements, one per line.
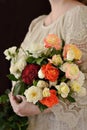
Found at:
<point>23,108</point>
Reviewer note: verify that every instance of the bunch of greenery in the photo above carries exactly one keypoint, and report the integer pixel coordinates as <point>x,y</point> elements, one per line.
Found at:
<point>8,119</point>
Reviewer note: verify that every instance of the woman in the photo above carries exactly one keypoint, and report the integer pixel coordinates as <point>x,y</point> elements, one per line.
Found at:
<point>67,19</point>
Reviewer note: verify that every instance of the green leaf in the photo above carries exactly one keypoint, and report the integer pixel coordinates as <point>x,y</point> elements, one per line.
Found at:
<point>31,59</point>
<point>41,106</point>
<point>12,77</point>
<point>19,88</point>
<point>63,79</point>
<point>39,60</point>
<point>35,82</point>
<point>71,99</point>
<point>54,51</point>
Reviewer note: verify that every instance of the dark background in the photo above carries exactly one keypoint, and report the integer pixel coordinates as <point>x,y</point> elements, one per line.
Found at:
<point>15,17</point>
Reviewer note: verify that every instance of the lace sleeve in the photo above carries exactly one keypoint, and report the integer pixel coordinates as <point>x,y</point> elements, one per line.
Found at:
<point>75,26</point>
<point>75,31</point>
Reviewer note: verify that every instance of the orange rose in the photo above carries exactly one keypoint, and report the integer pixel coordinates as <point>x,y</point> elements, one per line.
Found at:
<point>51,100</point>
<point>52,40</point>
<point>51,73</point>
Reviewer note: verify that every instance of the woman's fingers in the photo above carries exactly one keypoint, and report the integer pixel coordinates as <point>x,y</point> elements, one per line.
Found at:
<point>17,103</point>
<point>13,100</point>
<point>22,98</point>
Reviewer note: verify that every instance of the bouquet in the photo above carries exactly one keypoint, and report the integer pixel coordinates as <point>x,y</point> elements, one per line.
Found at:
<point>50,77</point>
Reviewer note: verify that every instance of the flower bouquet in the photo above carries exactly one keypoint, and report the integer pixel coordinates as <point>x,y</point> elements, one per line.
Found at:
<point>51,77</point>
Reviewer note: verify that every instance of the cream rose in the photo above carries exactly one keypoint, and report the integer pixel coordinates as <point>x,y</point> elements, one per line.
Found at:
<point>42,84</point>
<point>63,89</point>
<point>33,94</point>
<point>46,92</point>
<point>75,86</point>
<point>57,60</point>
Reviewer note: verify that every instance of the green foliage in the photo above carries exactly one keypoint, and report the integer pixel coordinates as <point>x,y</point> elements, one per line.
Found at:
<point>71,99</point>
<point>19,88</point>
<point>12,77</point>
<point>31,59</point>
<point>41,106</point>
<point>39,60</point>
<point>35,82</point>
<point>8,119</point>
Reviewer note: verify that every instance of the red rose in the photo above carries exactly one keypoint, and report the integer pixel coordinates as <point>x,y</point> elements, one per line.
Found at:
<point>30,73</point>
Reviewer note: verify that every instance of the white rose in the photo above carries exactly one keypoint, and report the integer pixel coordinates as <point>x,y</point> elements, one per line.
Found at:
<point>63,89</point>
<point>33,94</point>
<point>42,84</point>
<point>40,74</point>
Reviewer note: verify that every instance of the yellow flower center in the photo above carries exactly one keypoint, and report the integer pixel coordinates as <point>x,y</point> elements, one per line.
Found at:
<point>34,94</point>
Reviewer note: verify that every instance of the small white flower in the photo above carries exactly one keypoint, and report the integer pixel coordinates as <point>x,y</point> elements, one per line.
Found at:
<point>21,63</point>
<point>83,92</point>
<point>70,55</point>
<point>33,94</point>
<point>17,67</point>
<point>46,92</point>
<point>40,74</point>
<point>63,89</point>
<point>42,84</point>
<point>10,53</point>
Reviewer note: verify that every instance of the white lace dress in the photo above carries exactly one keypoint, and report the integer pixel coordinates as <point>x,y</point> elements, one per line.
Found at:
<point>72,27</point>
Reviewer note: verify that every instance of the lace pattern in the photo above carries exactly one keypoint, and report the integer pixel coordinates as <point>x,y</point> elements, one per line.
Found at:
<point>75,32</point>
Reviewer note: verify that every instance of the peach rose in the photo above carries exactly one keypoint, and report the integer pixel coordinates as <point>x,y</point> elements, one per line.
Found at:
<point>52,40</point>
<point>72,71</point>
<point>72,48</point>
